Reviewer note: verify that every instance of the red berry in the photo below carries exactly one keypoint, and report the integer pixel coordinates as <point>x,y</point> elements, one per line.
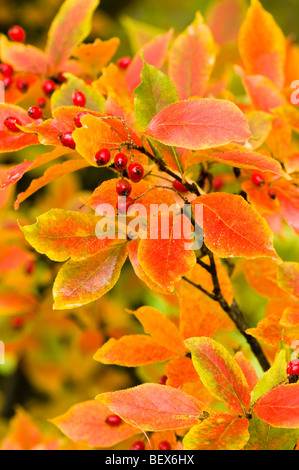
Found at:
<point>120,161</point>
<point>60,78</point>
<point>7,81</point>
<point>22,85</point>
<point>178,186</point>
<point>163,380</point>
<point>257,179</point>
<point>17,322</point>
<point>272,193</point>
<point>41,102</point>
<point>67,140</point>
<point>79,99</point>
<point>6,69</point>
<point>78,118</point>
<point>293,367</point>
<point>135,171</point>
<point>30,267</point>
<point>113,420</point>
<point>138,445</point>
<point>123,188</point>
<point>16,33</point>
<point>123,204</point>
<point>102,157</point>
<point>10,122</point>
<point>217,183</point>
<point>124,62</point>
<point>164,445</point>
<point>35,112</point>
<point>48,87</point>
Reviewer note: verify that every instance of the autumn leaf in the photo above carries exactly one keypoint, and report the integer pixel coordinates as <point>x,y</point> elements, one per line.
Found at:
<point>133,351</point>
<point>200,315</point>
<point>280,406</point>
<point>262,45</point>
<point>220,373</point>
<point>14,174</point>
<point>86,422</point>
<point>64,96</point>
<point>93,57</point>
<point>155,92</point>
<point>51,174</point>
<point>248,370</point>
<point>288,277</point>
<point>191,59</point>
<point>61,235</point>
<point>232,227</point>
<point>266,437</point>
<point>154,53</point>
<point>70,27</point>
<point>81,282</point>
<point>166,258</point>
<point>220,432</point>
<point>153,407</point>
<point>12,141</point>
<point>23,57</point>
<point>199,124</point>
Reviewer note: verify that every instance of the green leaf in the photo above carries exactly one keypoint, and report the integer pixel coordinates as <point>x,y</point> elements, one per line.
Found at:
<point>81,282</point>
<point>63,97</point>
<point>272,377</point>
<point>155,92</point>
<point>70,27</point>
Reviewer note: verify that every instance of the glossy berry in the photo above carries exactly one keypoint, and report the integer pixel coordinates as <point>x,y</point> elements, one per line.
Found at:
<point>10,123</point>
<point>123,204</point>
<point>163,380</point>
<point>120,161</point>
<point>257,179</point>
<point>293,367</point>
<point>124,62</point>
<point>164,445</point>
<point>22,85</point>
<point>135,172</point>
<point>60,78</point>
<point>79,99</point>
<point>35,112</point>
<point>30,267</point>
<point>48,87</point>
<point>6,69</point>
<point>41,102</point>
<point>17,322</point>
<point>123,188</point>
<point>7,81</point>
<point>17,34</point>
<point>67,140</point>
<point>178,186</point>
<point>113,420</point>
<point>78,118</point>
<point>217,183</point>
<point>138,445</point>
<point>102,157</point>
<point>272,193</point>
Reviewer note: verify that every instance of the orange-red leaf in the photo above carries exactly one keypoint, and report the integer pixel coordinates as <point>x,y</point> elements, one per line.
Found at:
<point>199,124</point>
<point>280,406</point>
<point>154,407</point>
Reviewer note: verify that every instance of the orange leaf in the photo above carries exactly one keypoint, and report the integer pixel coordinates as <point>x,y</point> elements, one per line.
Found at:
<point>262,45</point>
<point>220,432</point>
<point>199,124</point>
<point>191,59</point>
<point>12,141</point>
<point>280,406</point>
<point>86,422</point>
<point>232,227</point>
<point>133,351</point>
<point>154,407</point>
